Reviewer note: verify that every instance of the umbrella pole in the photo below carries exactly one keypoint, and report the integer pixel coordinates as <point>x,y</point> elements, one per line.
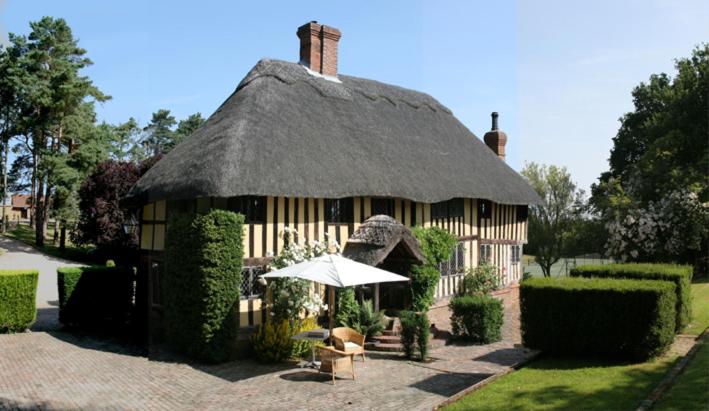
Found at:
<point>331,307</point>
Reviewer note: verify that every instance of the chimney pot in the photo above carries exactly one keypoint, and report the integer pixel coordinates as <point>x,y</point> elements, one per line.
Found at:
<point>496,139</point>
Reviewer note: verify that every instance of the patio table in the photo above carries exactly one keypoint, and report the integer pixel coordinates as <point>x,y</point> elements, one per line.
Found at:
<point>318,334</point>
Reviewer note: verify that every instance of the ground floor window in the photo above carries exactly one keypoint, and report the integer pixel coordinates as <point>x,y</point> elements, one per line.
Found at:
<point>516,254</point>
<point>250,287</point>
<point>456,262</point>
<point>485,253</point>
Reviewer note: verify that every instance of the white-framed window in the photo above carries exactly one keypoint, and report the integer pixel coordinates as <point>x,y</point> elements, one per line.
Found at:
<point>516,254</point>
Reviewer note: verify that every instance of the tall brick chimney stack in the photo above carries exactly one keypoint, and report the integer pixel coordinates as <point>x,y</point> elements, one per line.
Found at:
<point>318,47</point>
<point>496,139</point>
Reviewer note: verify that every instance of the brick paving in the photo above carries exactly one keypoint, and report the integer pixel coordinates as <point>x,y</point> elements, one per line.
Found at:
<point>59,370</point>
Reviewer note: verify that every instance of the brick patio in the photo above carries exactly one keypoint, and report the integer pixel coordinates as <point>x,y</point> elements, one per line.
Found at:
<point>58,370</point>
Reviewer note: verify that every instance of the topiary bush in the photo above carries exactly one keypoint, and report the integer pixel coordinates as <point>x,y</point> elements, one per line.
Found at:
<point>630,319</point>
<point>95,296</point>
<point>681,275</point>
<point>203,258</point>
<point>18,289</point>
<point>415,332</point>
<point>476,318</point>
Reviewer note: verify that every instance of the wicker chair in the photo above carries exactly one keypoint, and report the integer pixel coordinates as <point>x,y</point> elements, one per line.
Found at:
<point>348,340</point>
<point>333,361</point>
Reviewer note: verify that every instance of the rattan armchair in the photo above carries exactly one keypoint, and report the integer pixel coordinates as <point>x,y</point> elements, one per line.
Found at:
<point>348,340</point>
<point>334,361</point>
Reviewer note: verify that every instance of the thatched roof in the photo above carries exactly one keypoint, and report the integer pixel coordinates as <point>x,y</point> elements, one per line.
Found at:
<point>285,132</point>
<point>372,242</point>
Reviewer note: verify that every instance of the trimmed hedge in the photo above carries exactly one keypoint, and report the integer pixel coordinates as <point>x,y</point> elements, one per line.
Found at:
<point>476,318</point>
<point>681,275</point>
<point>95,296</point>
<point>18,290</point>
<point>633,319</point>
<point>203,257</point>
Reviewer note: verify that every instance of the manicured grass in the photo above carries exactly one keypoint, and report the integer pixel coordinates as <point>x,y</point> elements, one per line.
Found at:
<point>700,307</point>
<point>560,268</point>
<point>570,384</point>
<point>691,389</point>
<point>25,234</point>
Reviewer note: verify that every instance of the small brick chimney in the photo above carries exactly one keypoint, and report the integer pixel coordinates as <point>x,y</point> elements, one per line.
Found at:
<point>495,138</point>
<point>318,47</point>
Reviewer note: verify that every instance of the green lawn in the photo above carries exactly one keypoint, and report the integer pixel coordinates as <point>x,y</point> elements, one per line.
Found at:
<point>691,390</point>
<point>26,234</point>
<point>570,384</point>
<point>588,384</point>
<point>700,306</point>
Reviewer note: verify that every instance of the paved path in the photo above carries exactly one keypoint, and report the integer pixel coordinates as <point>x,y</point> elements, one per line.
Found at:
<point>58,370</point>
<point>21,255</point>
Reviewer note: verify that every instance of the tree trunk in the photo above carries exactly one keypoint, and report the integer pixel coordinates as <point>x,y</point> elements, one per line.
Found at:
<point>33,190</point>
<point>62,237</point>
<point>39,214</point>
<point>6,144</point>
<point>55,236</point>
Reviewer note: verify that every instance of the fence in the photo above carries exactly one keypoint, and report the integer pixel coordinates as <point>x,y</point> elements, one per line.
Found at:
<point>564,265</point>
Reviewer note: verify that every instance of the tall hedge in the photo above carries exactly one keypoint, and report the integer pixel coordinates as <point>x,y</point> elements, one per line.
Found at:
<point>477,318</point>
<point>631,319</point>
<point>95,296</point>
<point>18,290</point>
<point>681,275</point>
<point>203,258</point>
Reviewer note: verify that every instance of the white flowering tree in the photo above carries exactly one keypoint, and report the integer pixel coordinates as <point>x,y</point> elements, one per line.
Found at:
<point>290,297</point>
<point>673,228</point>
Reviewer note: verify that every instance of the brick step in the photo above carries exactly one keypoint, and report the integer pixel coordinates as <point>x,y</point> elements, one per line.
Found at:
<point>385,347</point>
<point>390,332</point>
<point>387,339</point>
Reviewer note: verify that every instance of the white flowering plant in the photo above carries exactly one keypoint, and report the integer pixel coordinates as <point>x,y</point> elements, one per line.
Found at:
<point>671,228</point>
<point>291,297</point>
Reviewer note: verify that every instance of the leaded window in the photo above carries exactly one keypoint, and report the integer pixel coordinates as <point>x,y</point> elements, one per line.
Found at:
<point>455,263</point>
<point>485,253</point>
<point>485,208</point>
<point>252,207</point>
<point>448,209</point>
<point>383,206</point>
<point>516,253</point>
<point>522,213</point>
<point>250,287</point>
<point>339,210</point>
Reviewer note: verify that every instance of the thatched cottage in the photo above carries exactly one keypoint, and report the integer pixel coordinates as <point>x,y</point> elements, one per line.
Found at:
<point>300,145</point>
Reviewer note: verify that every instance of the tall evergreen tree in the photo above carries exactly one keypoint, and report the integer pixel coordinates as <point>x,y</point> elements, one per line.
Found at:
<point>159,136</point>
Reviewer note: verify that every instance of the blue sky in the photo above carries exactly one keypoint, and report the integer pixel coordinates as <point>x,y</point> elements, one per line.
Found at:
<point>560,73</point>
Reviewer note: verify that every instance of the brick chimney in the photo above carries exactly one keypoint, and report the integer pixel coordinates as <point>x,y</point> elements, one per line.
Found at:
<point>495,138</point>
<point>318,47</point>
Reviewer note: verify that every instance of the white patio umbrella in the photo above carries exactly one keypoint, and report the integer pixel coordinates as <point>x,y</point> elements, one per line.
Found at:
<point>335,271</point>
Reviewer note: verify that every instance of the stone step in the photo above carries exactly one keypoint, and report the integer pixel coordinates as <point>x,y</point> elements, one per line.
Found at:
<point>390,332</point>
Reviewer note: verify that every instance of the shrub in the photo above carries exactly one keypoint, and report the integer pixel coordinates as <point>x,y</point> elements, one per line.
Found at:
<point>436,245</point>
<point>302,348</point>
<point>18,289</point>
<point>347,307</point>
<point>203,257</point>
<point>633,319</point>
<point>272,341</point>
<point>681,275</point>
<point>367,322</point>
<point>95,296</point>
<point>476,318</point>
<point>481,280</point>
<point>408,333</point>
<point>423,332</point>
<point>415,331</point>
